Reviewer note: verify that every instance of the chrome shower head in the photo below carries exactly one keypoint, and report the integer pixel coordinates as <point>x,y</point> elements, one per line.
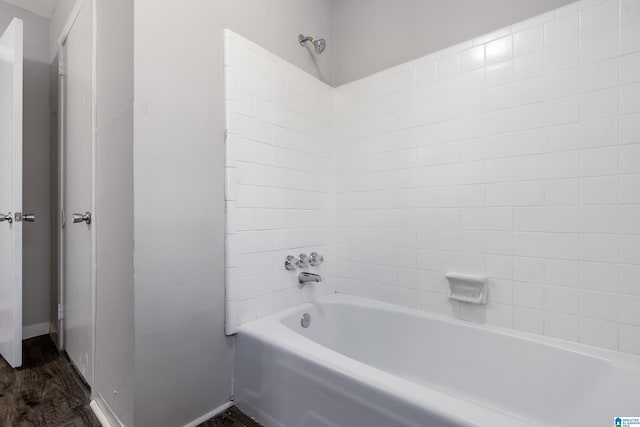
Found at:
<point>318,44</point>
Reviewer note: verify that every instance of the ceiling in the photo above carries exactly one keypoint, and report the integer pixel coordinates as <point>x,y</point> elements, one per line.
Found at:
<point>39,7</point>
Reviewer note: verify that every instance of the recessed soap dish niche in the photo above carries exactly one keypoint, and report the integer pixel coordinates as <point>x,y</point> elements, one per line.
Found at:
<point>469,288</point>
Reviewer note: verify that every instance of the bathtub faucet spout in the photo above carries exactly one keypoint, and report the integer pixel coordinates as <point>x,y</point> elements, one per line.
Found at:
<point>305,277</point>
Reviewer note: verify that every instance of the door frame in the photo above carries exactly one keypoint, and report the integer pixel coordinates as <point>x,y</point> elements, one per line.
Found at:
<point>61,177</point>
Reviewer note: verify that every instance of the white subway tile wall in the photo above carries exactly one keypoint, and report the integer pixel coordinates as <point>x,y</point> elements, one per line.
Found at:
<point>515,155</point>
<point>280,181</point>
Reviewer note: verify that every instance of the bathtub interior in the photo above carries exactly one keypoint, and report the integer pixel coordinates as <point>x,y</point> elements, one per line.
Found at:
<point>504,371</point>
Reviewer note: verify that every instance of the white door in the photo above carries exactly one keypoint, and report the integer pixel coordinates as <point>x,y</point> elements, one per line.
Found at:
<point>11,194</point>
<point>77,136</point>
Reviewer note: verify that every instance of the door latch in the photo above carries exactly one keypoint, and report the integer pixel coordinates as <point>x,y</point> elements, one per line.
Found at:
<point>86,217</point>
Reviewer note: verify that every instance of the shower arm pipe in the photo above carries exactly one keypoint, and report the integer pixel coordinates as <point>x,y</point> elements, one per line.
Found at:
<point>303,39</point>
<point>318,44</point>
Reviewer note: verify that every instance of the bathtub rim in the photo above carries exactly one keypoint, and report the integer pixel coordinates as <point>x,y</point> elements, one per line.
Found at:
<point>603,354</point>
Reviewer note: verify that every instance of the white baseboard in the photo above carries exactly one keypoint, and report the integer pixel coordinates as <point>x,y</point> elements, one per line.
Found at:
<point>220,409</point>
<point>111,420</point>
<point>104,422</point>
<point>32,331</point>
<point>104,414</point>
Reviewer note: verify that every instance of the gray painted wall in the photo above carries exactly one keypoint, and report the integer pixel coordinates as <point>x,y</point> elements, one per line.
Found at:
<point>114,369</point>
<point>113,219</point>
<point>373,35</point>
<point>56,24</point>
<point>183,360</point>
<point>36,164</point>
<point>36,31</point>
<point>275,25</point>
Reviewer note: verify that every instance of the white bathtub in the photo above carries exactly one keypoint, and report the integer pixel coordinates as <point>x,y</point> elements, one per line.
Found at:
<point>363,363</point>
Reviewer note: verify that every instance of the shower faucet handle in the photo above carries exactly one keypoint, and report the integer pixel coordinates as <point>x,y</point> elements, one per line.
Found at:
<point>303,261</point>
<point>316,259</point>
<point>290,263</point>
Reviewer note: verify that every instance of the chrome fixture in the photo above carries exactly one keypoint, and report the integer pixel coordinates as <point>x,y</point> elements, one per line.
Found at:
<point>290,263</point>
<point>315,259</point>
<point>20,217</point>
<point>305,277</point>
<point>303,261</point>
<point>78,218</point>
<point>8,218</point>
<point>318,44</point>
<point>305,321</point>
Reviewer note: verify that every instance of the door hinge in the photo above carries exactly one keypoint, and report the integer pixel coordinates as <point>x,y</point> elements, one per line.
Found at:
<point>60,312</point>
<point>60,68</point>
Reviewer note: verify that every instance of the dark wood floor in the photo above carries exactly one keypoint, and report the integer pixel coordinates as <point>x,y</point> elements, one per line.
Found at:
<point>231,418</point>
<point>45,391</point>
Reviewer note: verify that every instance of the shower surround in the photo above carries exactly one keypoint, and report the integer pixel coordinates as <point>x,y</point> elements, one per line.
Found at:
<point>280,181</point>
<point>515,155</point>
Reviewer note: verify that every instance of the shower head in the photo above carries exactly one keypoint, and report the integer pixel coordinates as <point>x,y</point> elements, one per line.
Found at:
<point>318,44</point>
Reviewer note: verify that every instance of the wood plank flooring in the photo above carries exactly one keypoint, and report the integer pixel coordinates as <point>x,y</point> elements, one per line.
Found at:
<point>45,392</point>
<point>232,417</point>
